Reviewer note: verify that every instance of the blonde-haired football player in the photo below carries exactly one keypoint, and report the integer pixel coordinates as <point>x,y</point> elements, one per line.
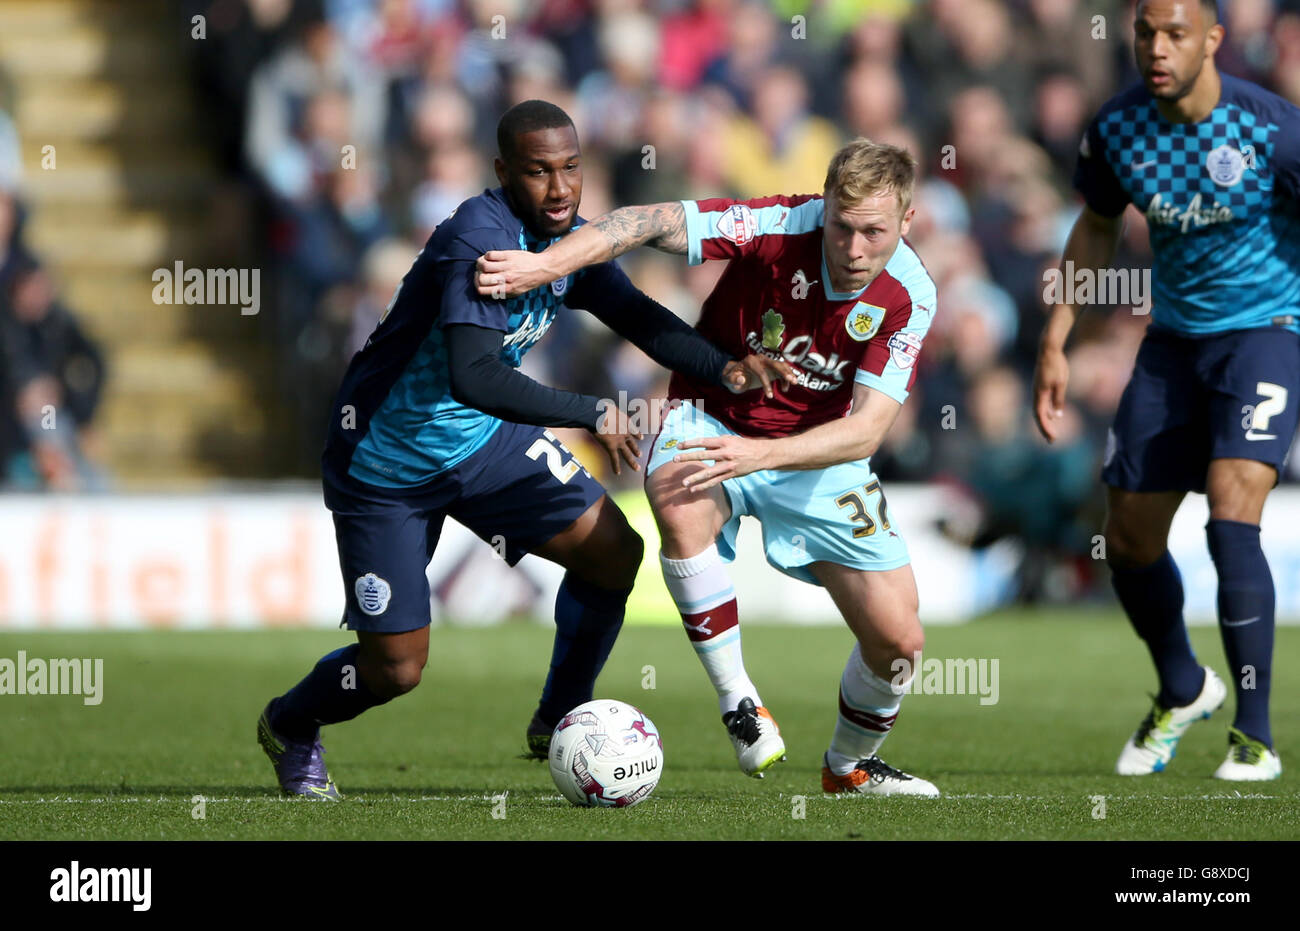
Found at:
<point>826,284</point>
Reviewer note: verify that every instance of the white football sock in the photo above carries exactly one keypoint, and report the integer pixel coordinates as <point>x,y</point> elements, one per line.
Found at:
<point>868,707</point>
<point>706,599</point>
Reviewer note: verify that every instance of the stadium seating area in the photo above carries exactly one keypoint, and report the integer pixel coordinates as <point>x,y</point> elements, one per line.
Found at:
<point>103,159</point>
<point>322,140</point>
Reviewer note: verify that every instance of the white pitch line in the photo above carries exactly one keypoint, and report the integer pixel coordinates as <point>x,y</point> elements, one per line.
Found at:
<point>183,800</point>
<point>1071,798</point>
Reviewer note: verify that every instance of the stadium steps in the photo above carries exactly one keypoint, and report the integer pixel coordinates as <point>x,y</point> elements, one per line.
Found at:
<point>176,405</point>
<point>76,50</point>
<point>99,173</point>
<point>46,18</point>
<point>106,83</point>
<point>118,307</point>
<point>138,241</point>
<point>89,108</point>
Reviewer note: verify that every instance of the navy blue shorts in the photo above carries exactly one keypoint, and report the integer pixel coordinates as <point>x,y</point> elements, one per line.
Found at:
<point>1232,396</point>
<point>517,492</point>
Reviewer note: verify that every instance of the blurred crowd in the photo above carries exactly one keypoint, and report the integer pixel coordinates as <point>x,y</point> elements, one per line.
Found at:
<point>51,371</point>
<point>361,124</point>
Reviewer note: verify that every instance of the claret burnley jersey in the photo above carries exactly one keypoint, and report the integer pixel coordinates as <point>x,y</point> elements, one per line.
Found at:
<point>775,298</point>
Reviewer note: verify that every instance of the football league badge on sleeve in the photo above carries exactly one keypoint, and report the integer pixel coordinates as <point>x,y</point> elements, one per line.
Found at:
<point>904,348</point>
<point>738,224</point>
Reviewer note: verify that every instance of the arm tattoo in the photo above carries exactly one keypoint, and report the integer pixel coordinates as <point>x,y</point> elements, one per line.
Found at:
<point>662,226</point>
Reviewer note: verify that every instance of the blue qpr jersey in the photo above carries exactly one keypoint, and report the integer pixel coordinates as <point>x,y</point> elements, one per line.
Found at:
<point>1221,199</point>
<point>395,423</point>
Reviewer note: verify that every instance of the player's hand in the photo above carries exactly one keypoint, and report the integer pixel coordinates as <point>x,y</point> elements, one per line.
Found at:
<point>619,440</point>
<point>757,370</point>
<point>1051,375</point>
<point>733,456</point>
<point>506,273</point>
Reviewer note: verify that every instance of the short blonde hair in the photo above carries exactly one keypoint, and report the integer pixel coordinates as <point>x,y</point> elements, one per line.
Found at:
<point>863,168</point>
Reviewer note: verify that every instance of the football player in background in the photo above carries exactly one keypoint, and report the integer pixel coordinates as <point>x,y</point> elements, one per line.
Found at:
<point>1214,162</point>
<point>826,284</point>
<point>433,419</point>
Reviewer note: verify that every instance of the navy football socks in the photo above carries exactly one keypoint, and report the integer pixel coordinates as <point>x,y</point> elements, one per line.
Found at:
<point>1246,603</point>
<point>329,694</point>
<point>1152,597</point>
<point>587,622</point>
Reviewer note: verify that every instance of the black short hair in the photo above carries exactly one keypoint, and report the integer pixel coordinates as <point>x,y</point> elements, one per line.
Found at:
<point>526,117</point>
<point>1210,7</point>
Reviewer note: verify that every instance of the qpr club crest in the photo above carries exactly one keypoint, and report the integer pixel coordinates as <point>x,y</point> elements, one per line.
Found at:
<point>373,594</point>
<point>737,224</point>
<point>1226,166</point>
<point>864,321</point>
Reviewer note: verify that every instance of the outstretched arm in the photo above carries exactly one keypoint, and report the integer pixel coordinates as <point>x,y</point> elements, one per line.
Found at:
<point>479,379</point>
<point>608,295</point>
<point>507,273</point>
<point>660,226</point>
<point>844,439</point>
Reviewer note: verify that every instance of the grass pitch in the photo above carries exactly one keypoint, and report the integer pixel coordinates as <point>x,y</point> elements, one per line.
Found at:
<point>179,711</point>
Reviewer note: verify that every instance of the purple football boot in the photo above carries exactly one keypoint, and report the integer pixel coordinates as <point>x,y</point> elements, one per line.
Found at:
<point>299,764</point>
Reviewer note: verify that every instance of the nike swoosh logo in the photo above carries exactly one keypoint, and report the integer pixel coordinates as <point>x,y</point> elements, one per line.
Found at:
<point>1138,166</point>
<point>1252,435</point>
<point>1249,620</point>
